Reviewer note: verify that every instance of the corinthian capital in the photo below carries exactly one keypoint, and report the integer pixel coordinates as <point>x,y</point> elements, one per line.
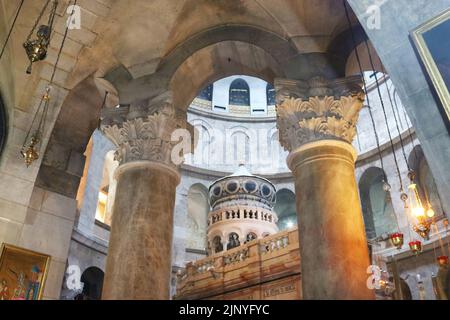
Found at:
<point>317,109</point>
<point>143,131</point>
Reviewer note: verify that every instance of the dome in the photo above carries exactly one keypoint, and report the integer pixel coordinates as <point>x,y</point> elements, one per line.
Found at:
<point>242,188</point>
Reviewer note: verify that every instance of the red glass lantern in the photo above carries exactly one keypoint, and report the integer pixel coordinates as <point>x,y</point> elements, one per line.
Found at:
<point>415,246</point>
<point>443,260</point>
<point>397,240</point>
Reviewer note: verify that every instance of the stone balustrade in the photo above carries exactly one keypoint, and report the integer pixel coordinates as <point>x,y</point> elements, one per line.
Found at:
<point>242,213</point>
<point>261,261</point>
<point>273,243</point>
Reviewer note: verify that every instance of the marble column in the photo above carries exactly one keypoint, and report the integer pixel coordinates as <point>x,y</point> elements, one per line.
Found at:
<point>139,256</point>
<point>316,120</point>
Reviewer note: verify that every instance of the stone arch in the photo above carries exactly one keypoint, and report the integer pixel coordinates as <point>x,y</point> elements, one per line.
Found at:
<point>376,203</point>
<point>63,160</point>
<point>218,61</point>
<point>234,239</point>
<point>92,279</point>
<point>216,244</point>
<point>351,65</point>
<point>250,235</point>
<point>285,209</point>
<point>197,217</point>
<point>424,180</point>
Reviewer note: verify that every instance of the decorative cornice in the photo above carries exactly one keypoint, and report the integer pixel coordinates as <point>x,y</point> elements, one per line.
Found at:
<point>317,109</point>
<point>142,131</point>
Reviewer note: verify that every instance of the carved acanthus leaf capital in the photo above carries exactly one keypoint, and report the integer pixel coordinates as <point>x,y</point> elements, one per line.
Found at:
<point>317,109</point>
<point>143,131</point>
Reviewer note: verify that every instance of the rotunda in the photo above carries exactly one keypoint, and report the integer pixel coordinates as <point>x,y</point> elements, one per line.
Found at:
<point>242,210</point>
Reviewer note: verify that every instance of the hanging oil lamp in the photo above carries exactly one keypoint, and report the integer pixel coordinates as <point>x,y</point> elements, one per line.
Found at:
<point>442,260</point>
<point>36,49</point>
<point>32,143</point>
<point>415,246</point>
<point>423,221</point>
<point>397,239</point>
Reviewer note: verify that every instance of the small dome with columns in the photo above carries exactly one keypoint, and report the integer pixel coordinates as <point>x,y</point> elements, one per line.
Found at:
<point>242,187</point>
<point>242,210</point>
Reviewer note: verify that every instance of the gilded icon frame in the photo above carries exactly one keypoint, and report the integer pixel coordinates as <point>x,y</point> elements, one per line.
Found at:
<point>14,256</point>
<point>434,73</point>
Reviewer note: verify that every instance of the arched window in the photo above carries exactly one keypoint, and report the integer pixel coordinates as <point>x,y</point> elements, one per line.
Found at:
<point>376,203</point>
<point>206,93</point>
<point>285,209</point>
<point>250,237</point>
<point>270,92</point>
<point>217,244</point>
<point>3,125</point>
<point>239,93</point>
<point>233,241</point>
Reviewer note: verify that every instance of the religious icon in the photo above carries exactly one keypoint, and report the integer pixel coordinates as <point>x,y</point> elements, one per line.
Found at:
<point>22,273</point>
<point>4,290</point>
<point>433,46</point>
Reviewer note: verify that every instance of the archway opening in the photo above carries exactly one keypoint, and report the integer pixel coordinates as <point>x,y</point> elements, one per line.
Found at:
<point>92,279</point>
<point>285,209</point>
<point>376,202</point>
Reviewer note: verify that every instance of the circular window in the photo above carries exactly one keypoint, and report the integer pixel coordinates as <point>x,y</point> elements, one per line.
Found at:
<point>217,191</point>
<point>232,186</point>
<point>250,186</point>
<point>266,190</point>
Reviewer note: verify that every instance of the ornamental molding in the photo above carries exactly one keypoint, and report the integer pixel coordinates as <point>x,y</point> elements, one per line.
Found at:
<point>318,109</point>
<point>143,131</point>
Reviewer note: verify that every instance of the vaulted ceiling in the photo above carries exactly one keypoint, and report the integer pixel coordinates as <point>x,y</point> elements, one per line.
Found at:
<point>188,42</point>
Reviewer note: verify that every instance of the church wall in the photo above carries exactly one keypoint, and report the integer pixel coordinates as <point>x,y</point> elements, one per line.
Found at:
<point>393,45</point>
<point>30,216</point>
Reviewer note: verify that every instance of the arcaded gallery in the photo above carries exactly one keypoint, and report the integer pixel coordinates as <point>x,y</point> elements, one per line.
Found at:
<point>224,150</point>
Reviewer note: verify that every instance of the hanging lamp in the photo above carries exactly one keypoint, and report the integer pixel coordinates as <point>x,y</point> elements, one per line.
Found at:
<point>37,48</point>
<point>423,218</point>
<point>397,237</point>
<point>415,246</point>
<point>31,146</point>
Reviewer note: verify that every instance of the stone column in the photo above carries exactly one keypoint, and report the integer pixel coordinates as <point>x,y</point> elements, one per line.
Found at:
<point>316,120</point>
<point>139,256</point>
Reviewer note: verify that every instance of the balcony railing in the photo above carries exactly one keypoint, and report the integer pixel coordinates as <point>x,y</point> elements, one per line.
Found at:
<point>259,260</point>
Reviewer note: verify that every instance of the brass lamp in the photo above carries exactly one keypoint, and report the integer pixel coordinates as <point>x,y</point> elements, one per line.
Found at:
<point>397,239</point>
<point>31,153</point>
<point>415,246</point>
<point>442,260</point>
<point>423,218</point>
<point>32,143</point>
<point>36,49</point>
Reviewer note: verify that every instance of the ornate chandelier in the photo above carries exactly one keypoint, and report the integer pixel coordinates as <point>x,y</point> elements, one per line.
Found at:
<point>36,49</point>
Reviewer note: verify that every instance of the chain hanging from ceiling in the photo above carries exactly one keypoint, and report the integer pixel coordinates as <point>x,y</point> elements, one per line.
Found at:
<point>32,144</point>
<point>396,237</point>
<point>37,48</point>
